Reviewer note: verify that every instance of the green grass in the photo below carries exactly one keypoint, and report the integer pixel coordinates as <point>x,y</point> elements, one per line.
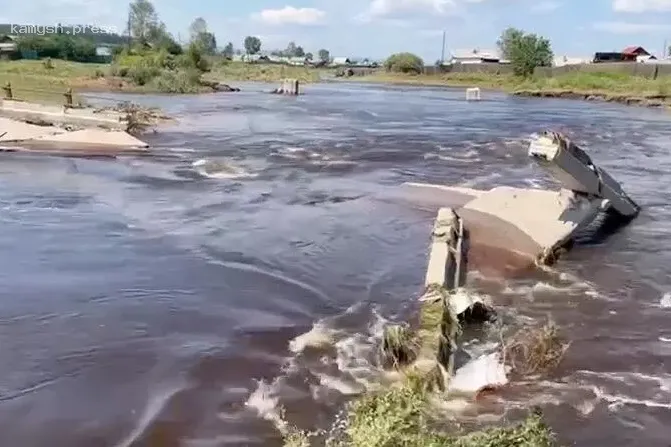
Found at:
<point>239,71</point>
<point>39,81</point>
<point>404,416</point>
<point>42,82</point>
<point>607,85</point>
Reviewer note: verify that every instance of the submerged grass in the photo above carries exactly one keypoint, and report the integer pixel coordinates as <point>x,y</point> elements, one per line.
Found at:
<point>403,416</point>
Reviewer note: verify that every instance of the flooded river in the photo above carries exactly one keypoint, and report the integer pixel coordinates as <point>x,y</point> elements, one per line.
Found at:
<point>185,300</point>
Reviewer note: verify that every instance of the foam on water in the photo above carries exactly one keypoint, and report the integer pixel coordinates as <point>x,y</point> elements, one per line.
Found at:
<point>220,169</point>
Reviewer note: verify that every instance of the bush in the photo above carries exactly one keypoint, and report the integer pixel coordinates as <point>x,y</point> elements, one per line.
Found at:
<point>404,63</point>
<point>162,69</point>
<point>181,81</point>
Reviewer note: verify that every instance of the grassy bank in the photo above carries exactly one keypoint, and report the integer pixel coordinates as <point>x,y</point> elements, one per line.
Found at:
<point>39,82</point>
<point>238,71</point>
<point>46,81</point>
<point>579,85</point>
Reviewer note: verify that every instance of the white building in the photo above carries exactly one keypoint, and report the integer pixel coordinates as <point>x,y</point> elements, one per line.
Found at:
<point>567,60</point>
<point>475,56</point>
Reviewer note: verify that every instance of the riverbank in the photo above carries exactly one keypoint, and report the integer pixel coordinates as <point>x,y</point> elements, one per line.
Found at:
<point>46,81</point>
<point>611,87</point>
<point>227,71</point>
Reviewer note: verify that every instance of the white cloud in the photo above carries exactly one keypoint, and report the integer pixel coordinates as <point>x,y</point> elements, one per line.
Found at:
<point>545,7</point>
<point>384,8</point>
<point>629,27</point>
<point>290,15</point>
<point>641,5</point>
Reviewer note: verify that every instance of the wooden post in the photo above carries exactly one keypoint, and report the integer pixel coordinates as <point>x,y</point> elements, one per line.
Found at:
<point>68,97</point>
<point>8,91</point>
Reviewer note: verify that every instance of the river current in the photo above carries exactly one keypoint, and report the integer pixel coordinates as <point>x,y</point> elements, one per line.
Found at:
<point>186,299</point>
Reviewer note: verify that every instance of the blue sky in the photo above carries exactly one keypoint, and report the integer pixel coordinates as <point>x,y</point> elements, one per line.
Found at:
<point>376,28</point>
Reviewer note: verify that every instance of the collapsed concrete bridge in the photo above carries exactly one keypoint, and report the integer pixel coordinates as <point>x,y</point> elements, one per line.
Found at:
<point>65,130</point>
<point>534,225</point>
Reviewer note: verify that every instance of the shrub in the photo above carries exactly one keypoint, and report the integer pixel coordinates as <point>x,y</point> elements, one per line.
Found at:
<point>404,63</point>
<point>180,81</point>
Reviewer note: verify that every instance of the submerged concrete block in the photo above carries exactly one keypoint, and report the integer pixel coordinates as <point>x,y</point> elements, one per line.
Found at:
<point>23,137</point>
<point>473,94</point>
<point>12,130</point>
<point>95,137</point>
<point>288,87</point>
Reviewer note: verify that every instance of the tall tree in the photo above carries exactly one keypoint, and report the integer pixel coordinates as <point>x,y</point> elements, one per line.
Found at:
<point>201,37</point>
<point>525,51</point>
<point>228,51</point>
<point>324,55</point>
<point>299,52</point>
<point>142,20</point>
<point>291,50</point>
<point>198,27</point>
<point>252,45</point>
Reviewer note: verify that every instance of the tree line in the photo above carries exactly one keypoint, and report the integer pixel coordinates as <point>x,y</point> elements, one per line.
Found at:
<point>145,30</point>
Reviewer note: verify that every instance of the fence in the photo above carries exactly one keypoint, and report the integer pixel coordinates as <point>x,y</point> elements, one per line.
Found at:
<point>484,68</point>
<point>645,70</point>
<point>65,97</point>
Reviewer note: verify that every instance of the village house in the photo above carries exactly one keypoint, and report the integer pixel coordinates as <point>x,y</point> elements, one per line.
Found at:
<point>104,54</point>
<point>629,54</point>
<point>8,46</point>
<point>476,56</point>
<point>340,61</point>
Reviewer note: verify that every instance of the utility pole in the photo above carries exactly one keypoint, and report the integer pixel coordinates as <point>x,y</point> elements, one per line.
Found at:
<point>665,51</point>
<point>442,52</point>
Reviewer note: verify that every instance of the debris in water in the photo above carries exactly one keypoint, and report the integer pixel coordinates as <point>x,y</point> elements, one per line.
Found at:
<point>485,372</point>
<point>535,350</point>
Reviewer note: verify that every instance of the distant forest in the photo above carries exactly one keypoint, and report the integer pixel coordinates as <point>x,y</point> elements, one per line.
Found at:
<point>97,38</point>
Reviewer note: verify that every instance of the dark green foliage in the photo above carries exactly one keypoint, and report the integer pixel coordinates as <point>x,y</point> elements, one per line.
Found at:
<point>525,51</point>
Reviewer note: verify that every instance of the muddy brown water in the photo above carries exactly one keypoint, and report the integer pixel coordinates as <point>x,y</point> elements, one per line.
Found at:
<point>183,300</point>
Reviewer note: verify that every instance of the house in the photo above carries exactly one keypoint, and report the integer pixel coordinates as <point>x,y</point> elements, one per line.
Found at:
<point>341,61</point>
<point>254,58</point>
<point>104,54</point>
<point>8,46</point>
<point>633,52</point>
<point>629,54</point>
<point>475,56</point>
